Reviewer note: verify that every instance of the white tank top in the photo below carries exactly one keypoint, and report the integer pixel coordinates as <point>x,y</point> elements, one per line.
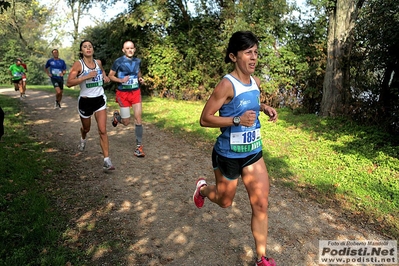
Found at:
<point>91,87</point>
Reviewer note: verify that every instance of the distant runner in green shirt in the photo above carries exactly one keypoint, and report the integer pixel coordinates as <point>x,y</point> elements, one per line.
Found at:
<point>23,75</point>
<point>17,71</point>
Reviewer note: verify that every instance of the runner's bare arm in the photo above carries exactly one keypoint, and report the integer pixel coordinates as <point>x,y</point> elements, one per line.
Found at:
<point>105,77</point>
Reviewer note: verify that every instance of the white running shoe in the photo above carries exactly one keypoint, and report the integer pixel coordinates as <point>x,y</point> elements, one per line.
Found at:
<point>108,165</point>
<point>82,145</point>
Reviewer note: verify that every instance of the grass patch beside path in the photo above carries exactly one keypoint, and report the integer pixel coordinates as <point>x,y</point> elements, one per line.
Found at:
<point>31,228</point>
<point>333,161</point>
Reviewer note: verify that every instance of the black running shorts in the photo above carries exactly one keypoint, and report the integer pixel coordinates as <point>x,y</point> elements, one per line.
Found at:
<point>58,83</point>
<point>232,168</point>
<point>87,106</point>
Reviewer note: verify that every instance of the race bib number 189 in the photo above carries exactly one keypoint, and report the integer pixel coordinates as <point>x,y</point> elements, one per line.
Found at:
<point>245,141</point>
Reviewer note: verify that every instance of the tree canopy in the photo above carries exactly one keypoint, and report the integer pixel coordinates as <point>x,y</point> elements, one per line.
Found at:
<point>336,58</point>
<point>23,24</point>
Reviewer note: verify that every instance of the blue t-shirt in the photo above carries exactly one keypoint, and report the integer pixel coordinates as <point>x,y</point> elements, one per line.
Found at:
<point>124,66</point>
<point>56,67</point>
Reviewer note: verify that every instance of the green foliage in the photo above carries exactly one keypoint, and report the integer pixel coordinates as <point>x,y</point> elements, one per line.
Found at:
<point>30,228</point>
<point>7,60</point>
<point>191,44</point>
<point>183,58</point>
<point>4,5</point>
<point>183,53</point>
<point>184,64</point>
<point>307,42</point>
<point>161,69</point>
<point>22,37</point>
<point>374,64</point>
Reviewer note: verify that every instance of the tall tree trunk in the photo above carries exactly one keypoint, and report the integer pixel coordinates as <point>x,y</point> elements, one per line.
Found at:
<point>77,8</point>
<point>389,85</point>
<point>336,89</point>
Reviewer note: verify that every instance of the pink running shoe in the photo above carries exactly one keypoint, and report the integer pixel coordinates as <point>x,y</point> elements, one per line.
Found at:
<point>266,262</point>
<point>197,197</point>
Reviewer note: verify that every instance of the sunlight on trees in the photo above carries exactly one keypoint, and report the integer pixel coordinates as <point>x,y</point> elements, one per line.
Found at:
<point>317,59</point>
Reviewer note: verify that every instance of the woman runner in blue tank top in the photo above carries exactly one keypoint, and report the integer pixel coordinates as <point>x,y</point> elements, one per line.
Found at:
<point>238,149</point>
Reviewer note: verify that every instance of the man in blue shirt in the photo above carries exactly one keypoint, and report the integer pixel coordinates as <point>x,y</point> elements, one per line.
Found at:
<point>56,68</point>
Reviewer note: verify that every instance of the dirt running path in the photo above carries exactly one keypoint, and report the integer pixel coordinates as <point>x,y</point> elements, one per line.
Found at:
<point>142,213</point>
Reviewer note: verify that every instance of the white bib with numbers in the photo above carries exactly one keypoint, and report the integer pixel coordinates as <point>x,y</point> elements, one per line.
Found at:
<point>245,141</point>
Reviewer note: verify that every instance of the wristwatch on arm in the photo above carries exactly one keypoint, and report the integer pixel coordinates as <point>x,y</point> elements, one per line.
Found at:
<point>236,120</point>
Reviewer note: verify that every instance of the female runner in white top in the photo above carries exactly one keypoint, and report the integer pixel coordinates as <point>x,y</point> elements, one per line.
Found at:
<point>89,74</point>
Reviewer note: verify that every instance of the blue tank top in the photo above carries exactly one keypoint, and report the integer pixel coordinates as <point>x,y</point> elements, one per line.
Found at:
<point>240,141</point>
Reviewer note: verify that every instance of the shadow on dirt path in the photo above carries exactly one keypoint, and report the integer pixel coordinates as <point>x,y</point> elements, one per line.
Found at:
<point>142,213</point>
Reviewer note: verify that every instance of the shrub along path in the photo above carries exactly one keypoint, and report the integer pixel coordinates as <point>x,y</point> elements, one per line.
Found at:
<point>142,213</point>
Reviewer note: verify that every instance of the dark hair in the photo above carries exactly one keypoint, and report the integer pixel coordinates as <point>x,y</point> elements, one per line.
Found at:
<point>80,47</point>
<point>239,41</point>
<point>54,50</point>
